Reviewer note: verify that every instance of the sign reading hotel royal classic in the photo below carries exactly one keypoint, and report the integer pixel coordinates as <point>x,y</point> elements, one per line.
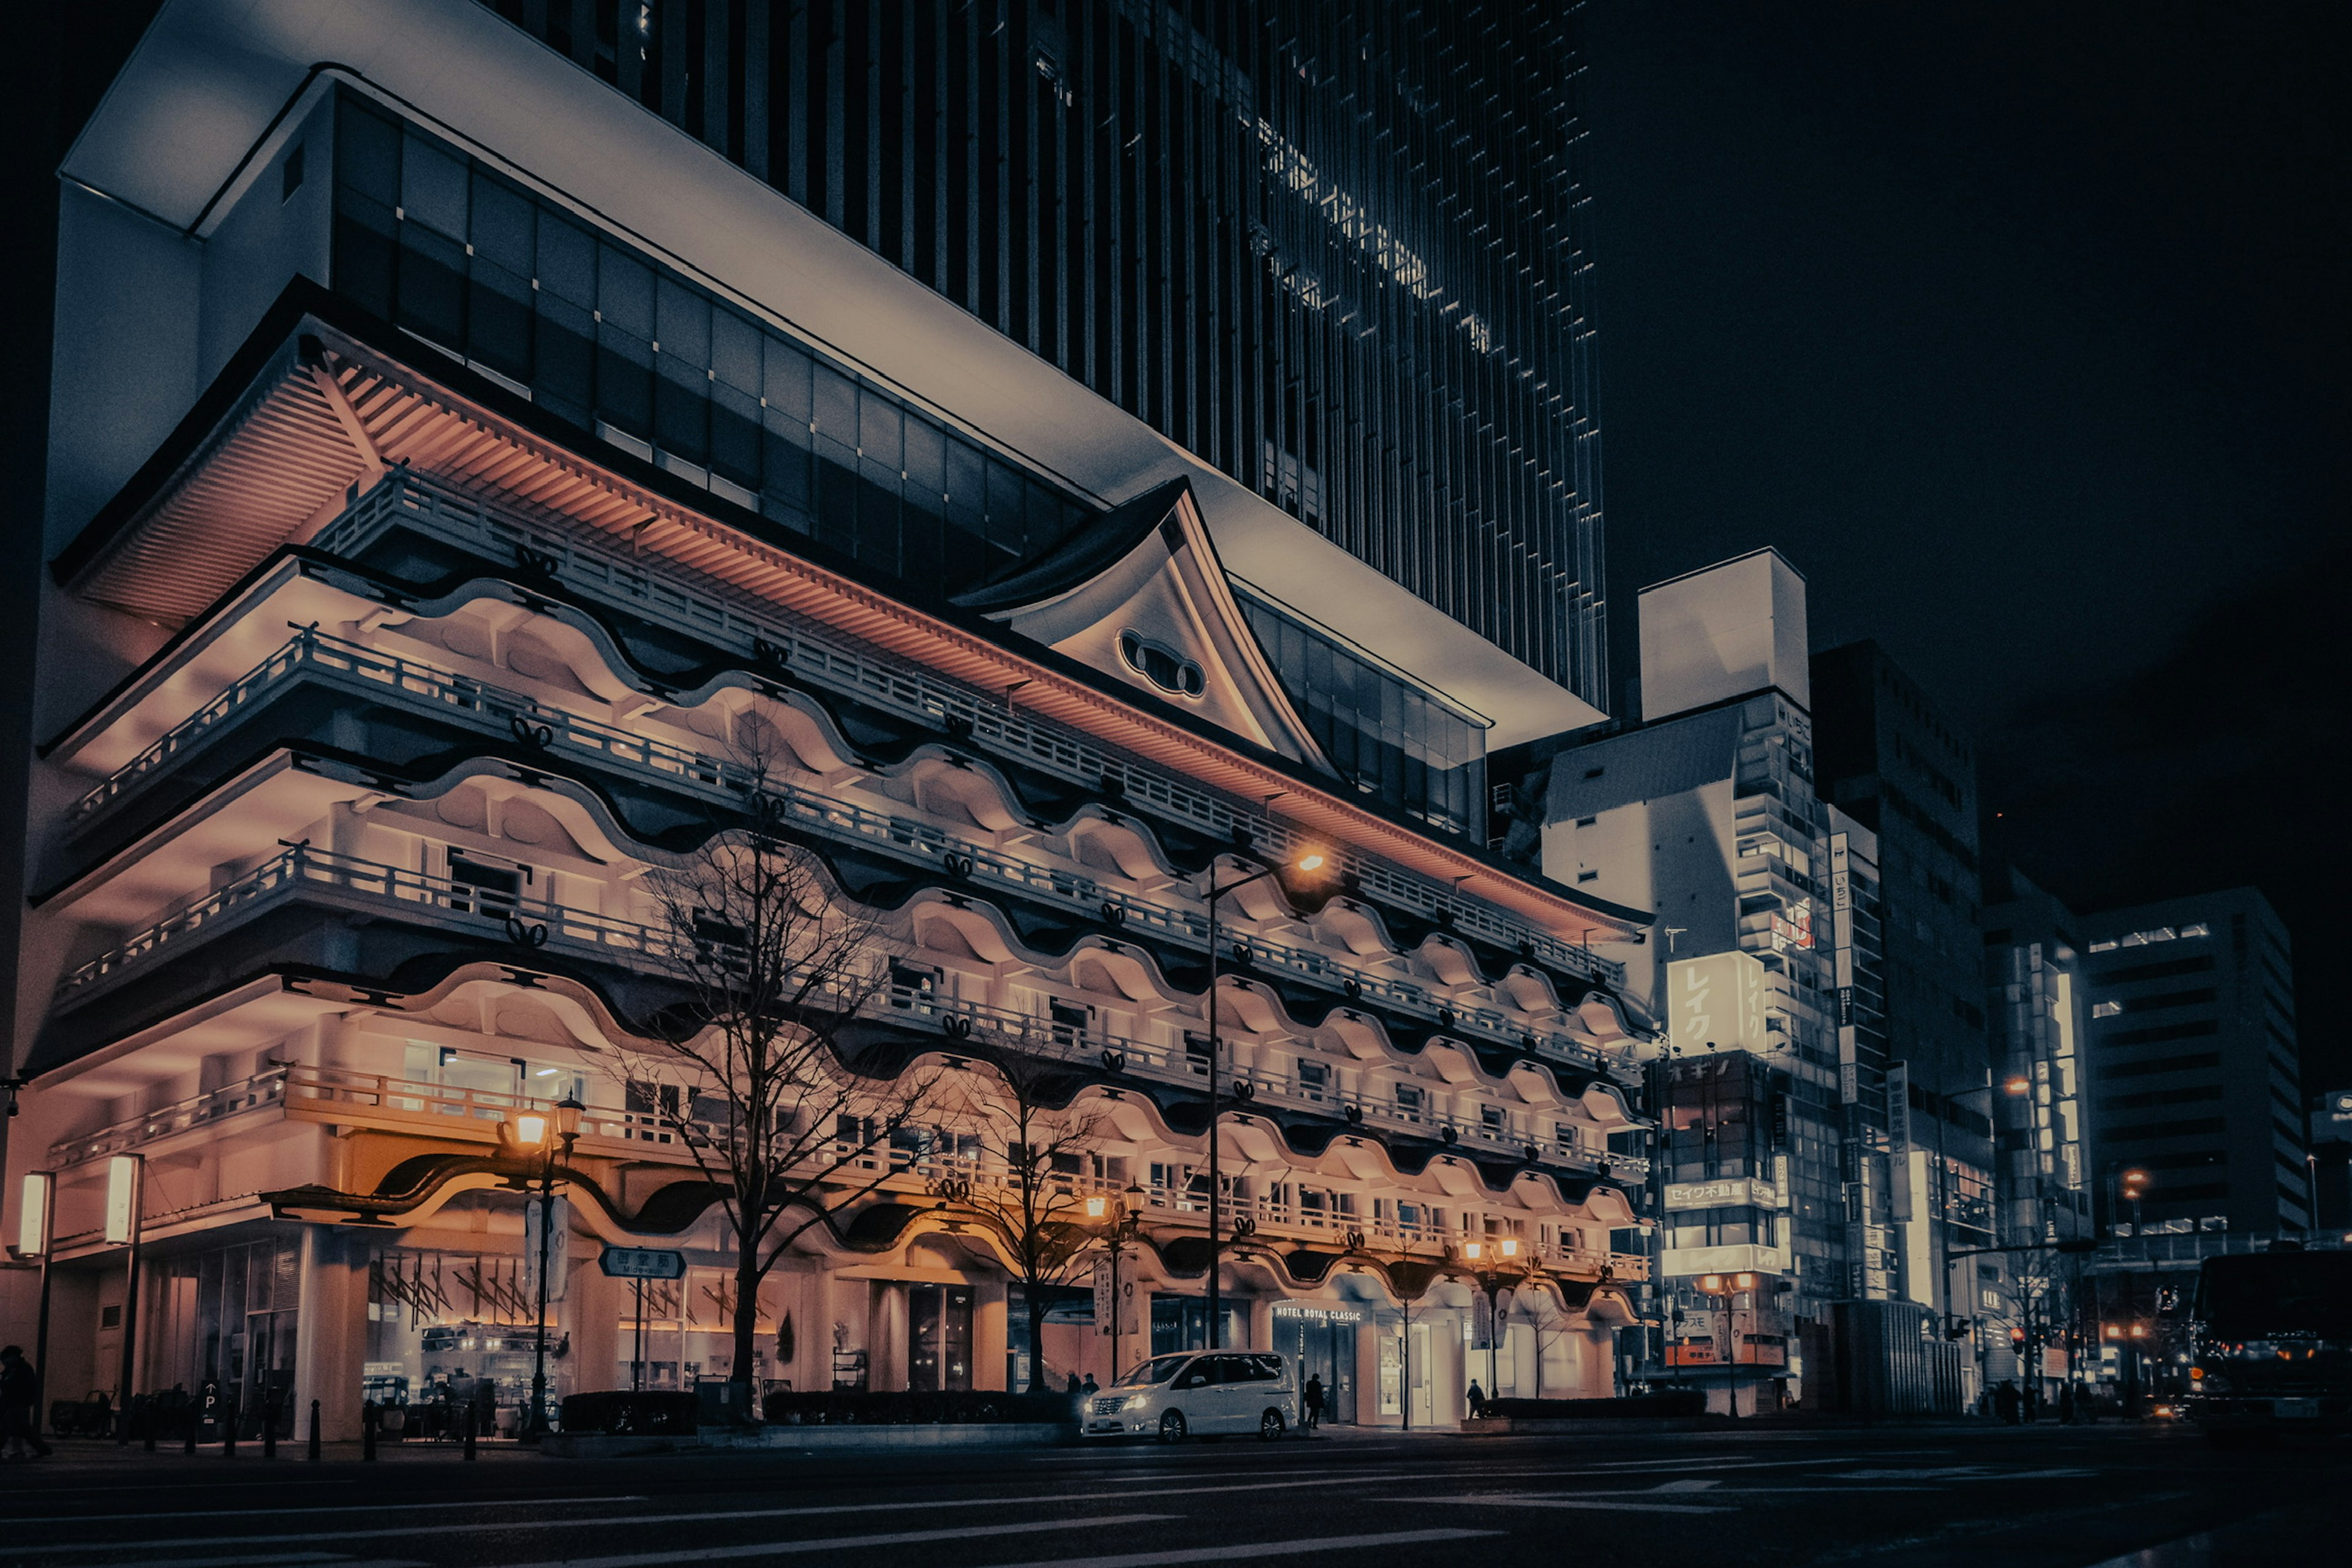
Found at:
<point>1716,1003</point>
<point>1318,1315</point>
<point>1730,1192</point>
<point>642,1263</point>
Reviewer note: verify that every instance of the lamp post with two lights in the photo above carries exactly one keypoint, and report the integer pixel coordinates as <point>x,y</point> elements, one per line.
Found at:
<point>1310,862</point>
<point>1122,1219</point>
<point>550,1135</point>
<point>1486,1258</point>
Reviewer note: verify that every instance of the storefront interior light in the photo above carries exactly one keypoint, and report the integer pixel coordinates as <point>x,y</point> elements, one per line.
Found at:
<point>122,1199</point>
<point>33,1215</point>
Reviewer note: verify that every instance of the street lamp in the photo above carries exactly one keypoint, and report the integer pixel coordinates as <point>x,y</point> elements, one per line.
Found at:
<point>1727,1287</point>
<point>537,1130</point>
<point>1125,1215</point>
<point>1309,861</point>
<point>1492,1281</point>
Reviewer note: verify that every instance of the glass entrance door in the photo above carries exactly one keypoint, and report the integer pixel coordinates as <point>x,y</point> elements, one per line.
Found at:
<point>938,1337</point>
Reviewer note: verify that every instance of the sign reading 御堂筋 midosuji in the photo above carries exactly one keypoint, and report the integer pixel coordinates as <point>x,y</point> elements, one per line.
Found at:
<point>643,1263</point>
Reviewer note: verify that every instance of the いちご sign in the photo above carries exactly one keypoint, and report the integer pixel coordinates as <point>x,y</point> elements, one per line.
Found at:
<point>642,1263</point>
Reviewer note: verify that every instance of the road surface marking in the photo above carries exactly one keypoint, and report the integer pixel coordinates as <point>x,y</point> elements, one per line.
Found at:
<point>838,1543</point>
<point>1250,1550</point>
<point>1959,1473</point>
<point>477,1527</point>
<point>1733,1464</point>
<point>1567,1499</point>
<point>442,1507</point>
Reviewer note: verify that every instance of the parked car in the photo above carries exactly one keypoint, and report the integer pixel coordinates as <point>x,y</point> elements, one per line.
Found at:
<point>1197,1393</point>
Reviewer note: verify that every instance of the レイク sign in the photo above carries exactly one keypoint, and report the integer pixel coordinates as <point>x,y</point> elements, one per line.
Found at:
<point>1716,1003</point>
<point>642,1263</point>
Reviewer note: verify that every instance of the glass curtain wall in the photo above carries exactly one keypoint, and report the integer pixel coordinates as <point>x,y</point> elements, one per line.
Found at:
<point>613,342</point>
<point>1385,735</point>
<point>226,1339</point>
<point>1334,247</point>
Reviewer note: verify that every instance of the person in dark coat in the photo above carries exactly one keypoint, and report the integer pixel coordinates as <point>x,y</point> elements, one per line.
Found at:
<point>1477,1399</point>
<point>1311,1402</point>
<point>20,1414</point>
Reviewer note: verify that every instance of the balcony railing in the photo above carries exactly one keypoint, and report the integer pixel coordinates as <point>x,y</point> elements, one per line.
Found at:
<point>368,888</point>
<point>315,655</point>
<point>382,1100</point>
<point>623,581</point>
<point>1245,1086</point>
<point>265,1087</point>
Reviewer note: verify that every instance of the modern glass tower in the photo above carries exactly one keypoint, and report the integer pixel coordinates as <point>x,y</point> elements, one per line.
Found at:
<point>1333,248</point>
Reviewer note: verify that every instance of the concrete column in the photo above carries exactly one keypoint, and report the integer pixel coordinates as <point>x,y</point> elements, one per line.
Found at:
<point>594,1306</point>
<point>1599,1355</point>
<point>989,1322</point>
<point>1369,1334</point>
<point>1260,1324</point>
<point>1449,1372</point>
<point>886,1338</point>
<point>331,1332</point>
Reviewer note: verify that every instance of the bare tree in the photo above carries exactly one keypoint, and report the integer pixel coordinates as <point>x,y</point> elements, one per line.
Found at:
<point>1038,1146</point>
<point>752,1073</point>
<point>1547,1324</point>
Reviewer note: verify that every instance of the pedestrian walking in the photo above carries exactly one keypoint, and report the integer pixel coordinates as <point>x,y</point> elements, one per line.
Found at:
<point>20,1414</point>
<point>1311,1407</point>
<point>1477,1399</point>
<point>2066,1405</point>
<point>1090,1387</point>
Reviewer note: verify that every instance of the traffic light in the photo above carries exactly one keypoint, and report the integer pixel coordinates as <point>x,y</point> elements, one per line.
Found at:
<point>2017,1337</point>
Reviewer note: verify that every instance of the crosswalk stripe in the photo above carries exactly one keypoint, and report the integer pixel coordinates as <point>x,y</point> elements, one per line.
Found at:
<point>836,1544</point>
<point>405,1532</point>
<point>1250,1551</point>
<point>442,1507</point>
<point>1596,1504</point>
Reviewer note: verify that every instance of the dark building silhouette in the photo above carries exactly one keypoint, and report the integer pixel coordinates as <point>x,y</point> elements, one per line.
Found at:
<point>1333,248</point>
<point>2196,1075</point>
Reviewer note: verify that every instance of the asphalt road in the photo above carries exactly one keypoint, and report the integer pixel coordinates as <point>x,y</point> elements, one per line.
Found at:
<point>2048,1498</point>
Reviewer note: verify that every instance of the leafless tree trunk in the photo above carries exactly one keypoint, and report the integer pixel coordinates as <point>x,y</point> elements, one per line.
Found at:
<point>750,1076</point>
<point>1548,1324</point>
<point>1037,1152</point>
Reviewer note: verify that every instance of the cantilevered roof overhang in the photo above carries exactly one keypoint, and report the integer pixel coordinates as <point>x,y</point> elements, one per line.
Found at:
<point>309,412</point>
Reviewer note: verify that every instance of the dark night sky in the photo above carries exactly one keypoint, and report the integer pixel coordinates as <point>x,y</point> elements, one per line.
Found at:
<point>2022,328</point>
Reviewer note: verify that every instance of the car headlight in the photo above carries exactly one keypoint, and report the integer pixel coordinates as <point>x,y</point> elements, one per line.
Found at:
<point>1137,1401</point>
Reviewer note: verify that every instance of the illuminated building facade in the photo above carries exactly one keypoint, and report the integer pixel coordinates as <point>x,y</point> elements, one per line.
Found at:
<point>445,483</point>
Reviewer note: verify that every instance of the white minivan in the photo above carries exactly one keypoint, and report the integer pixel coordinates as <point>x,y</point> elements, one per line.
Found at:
<point>1197,1393</point>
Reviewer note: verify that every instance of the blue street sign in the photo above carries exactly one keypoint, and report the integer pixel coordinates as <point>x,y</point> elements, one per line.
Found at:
<point>643,1263</point>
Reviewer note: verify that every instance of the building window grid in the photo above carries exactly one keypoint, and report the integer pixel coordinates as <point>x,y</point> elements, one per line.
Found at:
<point>1206,226</point>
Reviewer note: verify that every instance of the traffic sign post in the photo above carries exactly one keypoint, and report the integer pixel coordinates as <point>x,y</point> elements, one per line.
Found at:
<point>639,1264</point>
<point>642,1263</point>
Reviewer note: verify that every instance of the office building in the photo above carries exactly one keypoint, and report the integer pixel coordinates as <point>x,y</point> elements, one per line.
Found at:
<point>1892,763</point>
<point>2038,1007</point>
<point>2195,1073</point>
<point>1773,1155</point>
<point>1334,250</point>
<point>471,496</point>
